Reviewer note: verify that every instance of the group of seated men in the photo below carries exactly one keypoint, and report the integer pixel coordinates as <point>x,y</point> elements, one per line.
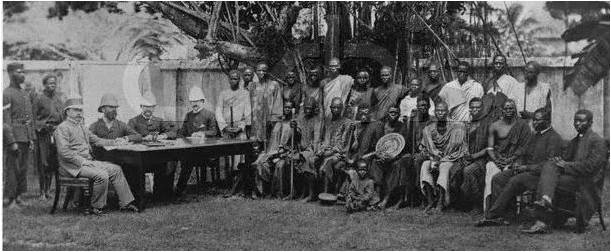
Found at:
<point>478,148</point>
<point>467,145</point>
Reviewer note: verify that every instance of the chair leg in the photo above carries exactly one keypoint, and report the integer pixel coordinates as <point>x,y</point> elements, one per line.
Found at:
<point>69,195</point>
<point>86,199</point>
<point>58,190</point>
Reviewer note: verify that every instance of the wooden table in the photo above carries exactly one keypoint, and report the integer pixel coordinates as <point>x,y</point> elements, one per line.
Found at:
<point>137,159</point>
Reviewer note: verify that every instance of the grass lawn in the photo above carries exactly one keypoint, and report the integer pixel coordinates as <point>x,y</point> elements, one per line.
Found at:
<point>215,223</point>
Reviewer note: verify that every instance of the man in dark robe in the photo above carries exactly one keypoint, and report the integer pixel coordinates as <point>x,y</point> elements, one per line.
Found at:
<point>433,83</point>
<point>312,87</point>
<point>309,125</point>
<point>410,161</point>
<point>333,149</point>
<point>48,108</point>
<point>361,92</point>
<point>387,94</point>
<point>391,175</point>
<point>467,175</point>
<point>291,90</point>
<point>364,138</point>
<point>507,139</point>
<point>273,164</point>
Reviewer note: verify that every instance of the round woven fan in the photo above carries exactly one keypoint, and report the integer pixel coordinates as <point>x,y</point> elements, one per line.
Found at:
<point>392,144</point>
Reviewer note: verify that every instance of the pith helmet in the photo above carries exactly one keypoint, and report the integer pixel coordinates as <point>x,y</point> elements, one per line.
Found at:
<point>196,94</point>
<point>108,100</point>
<point>148,99</point>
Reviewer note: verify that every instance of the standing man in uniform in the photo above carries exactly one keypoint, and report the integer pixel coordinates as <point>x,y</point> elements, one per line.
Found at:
<point>22,120</point>
<point>48,108</point>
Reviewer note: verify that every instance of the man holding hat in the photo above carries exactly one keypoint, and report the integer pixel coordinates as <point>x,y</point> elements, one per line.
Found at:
<point>199,122</point>
<point>21,118</point>
<point>75,160</point>
<point>109,127</point>
<point>153,128</point>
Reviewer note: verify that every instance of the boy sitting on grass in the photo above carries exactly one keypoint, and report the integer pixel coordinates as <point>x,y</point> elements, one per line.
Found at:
<point>361,192</point>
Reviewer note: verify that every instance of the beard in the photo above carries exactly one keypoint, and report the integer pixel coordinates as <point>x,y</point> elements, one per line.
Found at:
<point>540,127</point>
<point>111,115</point>
<point>148,113</point>
<point>18,79</point>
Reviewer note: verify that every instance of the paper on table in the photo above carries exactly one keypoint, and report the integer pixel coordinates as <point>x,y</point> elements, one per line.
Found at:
<point>108,148</point>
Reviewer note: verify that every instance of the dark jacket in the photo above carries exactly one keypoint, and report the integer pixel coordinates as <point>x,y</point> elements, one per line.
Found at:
<point>144,127</point>
<point>48,110</point>
<point>203,120</point>
<point>117,129</point>
<point>587,159</point>
<point>20,113</point>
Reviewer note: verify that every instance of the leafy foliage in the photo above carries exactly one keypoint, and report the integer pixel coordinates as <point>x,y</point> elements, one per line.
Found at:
<point>97,35</point>
<point>11,8</point>
<point>526,29</point>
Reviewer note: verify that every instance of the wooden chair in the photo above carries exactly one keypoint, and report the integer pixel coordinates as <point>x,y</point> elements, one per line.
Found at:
<point>71,184</point>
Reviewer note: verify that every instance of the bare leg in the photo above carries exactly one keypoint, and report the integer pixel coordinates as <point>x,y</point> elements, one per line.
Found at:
<point>440,199</point>
<point>429,194</point>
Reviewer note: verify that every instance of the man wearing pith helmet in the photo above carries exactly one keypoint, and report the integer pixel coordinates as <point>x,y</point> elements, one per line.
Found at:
<point>199,122</point>
<point>109,127</point>
<point>152,129</point>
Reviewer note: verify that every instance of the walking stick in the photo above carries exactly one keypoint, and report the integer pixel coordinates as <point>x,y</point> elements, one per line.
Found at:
<point>294,130</point>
